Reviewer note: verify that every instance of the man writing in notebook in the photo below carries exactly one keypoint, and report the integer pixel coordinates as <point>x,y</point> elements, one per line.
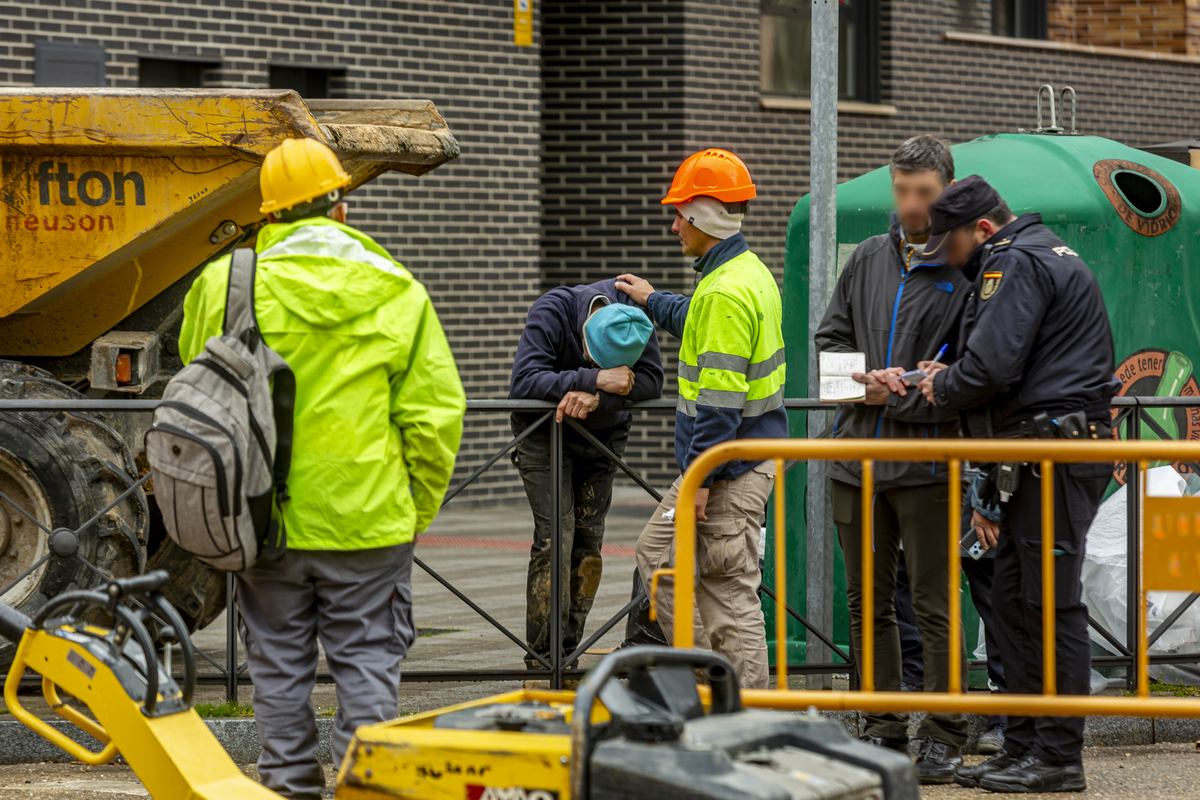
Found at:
<point>898,310</point>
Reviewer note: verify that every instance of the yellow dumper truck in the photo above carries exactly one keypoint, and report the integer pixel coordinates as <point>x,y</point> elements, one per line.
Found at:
<point>112,201</point>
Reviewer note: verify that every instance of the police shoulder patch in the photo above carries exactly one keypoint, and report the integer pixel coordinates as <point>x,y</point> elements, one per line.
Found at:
<point>991,282</point>
<point>1065,251</point>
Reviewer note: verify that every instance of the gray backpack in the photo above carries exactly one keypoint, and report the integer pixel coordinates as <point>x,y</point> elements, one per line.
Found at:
<point>221,443</point>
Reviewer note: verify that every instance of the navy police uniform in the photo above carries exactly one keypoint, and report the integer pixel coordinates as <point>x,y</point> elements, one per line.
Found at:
<point>1037,339</point>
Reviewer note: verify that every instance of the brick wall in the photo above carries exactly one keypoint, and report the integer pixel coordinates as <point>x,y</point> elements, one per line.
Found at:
<point>468,230</point>
<point>612,135</point>
<point>1158,25</point>
<point>1060,21</point>
<point>959,90</point>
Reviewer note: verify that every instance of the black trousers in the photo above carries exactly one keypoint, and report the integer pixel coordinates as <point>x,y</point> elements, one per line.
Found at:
<point>1078,489</point>
<point>586,494</point>
<point>979,578</point>
<point>916,516</point>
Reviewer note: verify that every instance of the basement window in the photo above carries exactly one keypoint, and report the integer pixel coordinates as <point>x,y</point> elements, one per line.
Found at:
<point>306,81</point>
<point>161,73</point>
<point>70,64</point>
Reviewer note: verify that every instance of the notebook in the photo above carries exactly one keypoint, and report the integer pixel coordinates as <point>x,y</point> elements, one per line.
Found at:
<point>836,384</point>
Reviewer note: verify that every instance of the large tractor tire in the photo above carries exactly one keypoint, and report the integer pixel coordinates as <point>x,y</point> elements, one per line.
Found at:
<point>63,468</point>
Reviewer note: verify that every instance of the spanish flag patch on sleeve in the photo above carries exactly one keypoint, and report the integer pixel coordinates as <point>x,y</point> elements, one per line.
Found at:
<point>991,282</point>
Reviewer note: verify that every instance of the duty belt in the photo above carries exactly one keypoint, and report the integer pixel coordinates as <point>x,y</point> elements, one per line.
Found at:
<point>1075,425</point>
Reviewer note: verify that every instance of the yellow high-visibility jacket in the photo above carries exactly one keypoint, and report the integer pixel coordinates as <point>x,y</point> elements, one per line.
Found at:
<point>379,403</point>
<point>731,363</point>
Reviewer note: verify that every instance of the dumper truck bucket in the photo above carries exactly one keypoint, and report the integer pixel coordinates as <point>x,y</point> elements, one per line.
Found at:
<point>112,195</point>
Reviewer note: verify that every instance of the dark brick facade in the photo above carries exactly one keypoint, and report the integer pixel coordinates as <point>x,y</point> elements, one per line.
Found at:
<point>569,145</point>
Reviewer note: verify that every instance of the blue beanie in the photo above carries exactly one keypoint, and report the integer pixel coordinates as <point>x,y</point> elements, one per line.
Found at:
<point>616,335</point>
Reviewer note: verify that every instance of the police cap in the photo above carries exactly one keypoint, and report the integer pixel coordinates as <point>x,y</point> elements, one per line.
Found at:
<point>959,204</point>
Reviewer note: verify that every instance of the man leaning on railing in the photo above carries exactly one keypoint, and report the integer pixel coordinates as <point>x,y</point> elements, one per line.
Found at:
<point>592,351</point>
<point>1037,362</point>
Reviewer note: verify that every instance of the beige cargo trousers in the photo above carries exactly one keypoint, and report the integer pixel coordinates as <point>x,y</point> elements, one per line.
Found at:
<point>728,615</point>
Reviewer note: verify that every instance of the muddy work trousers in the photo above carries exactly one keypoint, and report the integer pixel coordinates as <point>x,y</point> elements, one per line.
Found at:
<point>918,517</point>
<point>728,616</point>
<point>358,604</point>
<point>585,496</point>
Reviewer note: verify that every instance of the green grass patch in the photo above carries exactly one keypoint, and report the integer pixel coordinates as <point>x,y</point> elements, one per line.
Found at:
<point>224,710</point>
<point>426,632</point>
<point>1176,690</point>
<point>1173,689</point>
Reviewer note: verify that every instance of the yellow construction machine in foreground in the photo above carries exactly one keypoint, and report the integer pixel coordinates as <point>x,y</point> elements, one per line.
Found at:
<point>638,727</point>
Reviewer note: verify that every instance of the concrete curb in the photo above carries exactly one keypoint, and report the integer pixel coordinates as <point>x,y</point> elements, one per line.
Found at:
<point>239,737</point>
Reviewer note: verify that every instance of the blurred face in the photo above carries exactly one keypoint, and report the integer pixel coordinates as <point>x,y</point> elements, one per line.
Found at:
<point>692,241</point>
<point>912,194</point>
<point>963,241</point>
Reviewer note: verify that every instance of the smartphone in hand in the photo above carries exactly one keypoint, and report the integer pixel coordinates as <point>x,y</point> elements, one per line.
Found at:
<point>971,544</point>
<point>914,376</point>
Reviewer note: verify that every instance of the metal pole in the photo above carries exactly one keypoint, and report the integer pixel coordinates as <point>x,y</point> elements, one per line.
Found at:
<point>1133,550</point>
<point>556,654</point>
<point>231,634</point>
<point>822,268</point>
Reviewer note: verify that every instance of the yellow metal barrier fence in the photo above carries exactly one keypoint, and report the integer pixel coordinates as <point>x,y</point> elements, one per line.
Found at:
<point>1171,562</point>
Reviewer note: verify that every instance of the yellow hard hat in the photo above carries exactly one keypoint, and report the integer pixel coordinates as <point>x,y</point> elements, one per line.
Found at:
<point>296,171</point>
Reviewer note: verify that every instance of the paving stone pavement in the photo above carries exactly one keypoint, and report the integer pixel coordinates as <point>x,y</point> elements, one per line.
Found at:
<point>1142,772</point>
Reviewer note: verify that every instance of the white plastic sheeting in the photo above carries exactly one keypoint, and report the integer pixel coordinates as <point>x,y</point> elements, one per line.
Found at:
<point>1105,572</point>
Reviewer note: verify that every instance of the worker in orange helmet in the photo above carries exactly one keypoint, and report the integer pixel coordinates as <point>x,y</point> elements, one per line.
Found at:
<point>731,373</point>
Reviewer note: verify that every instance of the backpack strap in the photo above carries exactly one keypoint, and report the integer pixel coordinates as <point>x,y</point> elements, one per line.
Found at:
<point>240,318</point>
<point>283,398</point>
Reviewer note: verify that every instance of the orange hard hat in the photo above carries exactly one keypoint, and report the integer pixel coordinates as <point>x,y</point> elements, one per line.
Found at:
<point>714,173</point>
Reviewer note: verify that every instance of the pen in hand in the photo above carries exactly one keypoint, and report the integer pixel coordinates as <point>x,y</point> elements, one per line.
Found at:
<point>941,352</point>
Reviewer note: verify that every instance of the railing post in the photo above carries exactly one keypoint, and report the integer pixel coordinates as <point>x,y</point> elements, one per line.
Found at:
<point>556,653</point>
<point>866,658</point>
<point>1049,640</point>
<point>781,617</point>
<point>231,634</point>
<point>955,523</point>
<point>1133,550</point>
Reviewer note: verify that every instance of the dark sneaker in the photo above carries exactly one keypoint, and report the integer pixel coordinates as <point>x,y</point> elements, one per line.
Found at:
<point>1031,774</point>
<point>937,762</point>
<point>899,745</point>
<point>991,741</point>
<point>969,776</point>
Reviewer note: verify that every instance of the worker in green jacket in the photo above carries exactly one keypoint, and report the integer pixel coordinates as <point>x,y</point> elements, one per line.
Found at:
<point>731,373</point>
<point>378,419</point>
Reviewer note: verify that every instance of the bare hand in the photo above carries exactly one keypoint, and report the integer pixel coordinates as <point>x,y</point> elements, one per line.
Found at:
<point>577,405</point>
<point>877,392</point>
<point>701,504</point>
<point>638,289</point>
<point>891,377</point>
<point>987,531</point>
<point>930,368</point>
<point>618,380</point>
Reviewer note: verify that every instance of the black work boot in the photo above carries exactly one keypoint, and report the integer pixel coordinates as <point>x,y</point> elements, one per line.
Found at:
<point>937,762</point>
<point>899,745</point>
<point>1031,774</point>
<point>969,776</point>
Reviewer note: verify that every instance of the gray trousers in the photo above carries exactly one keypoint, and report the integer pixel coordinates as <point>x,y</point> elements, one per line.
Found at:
<point>359,603</point>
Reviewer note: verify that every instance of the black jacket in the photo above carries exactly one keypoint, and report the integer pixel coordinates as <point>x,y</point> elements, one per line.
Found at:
<point>550,361</point>
<point>897,319</point>
<point>1036,332</point>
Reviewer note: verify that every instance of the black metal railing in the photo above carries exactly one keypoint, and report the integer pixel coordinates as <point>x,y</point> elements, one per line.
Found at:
<point>560,666</point>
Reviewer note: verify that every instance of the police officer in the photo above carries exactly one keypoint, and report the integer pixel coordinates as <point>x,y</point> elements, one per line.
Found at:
<point>1037,362</point>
